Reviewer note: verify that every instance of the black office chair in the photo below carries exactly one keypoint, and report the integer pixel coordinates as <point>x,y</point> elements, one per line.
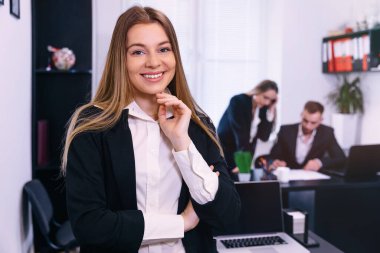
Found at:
<point>58,236</point>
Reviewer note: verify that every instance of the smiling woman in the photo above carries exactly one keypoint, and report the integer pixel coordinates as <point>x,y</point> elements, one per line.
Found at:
<point>142,162</point>
<point>151,66</point>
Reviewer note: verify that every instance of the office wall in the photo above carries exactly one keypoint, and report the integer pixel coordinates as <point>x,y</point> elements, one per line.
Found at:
<point>105,14</point>
<point>15,123</point>
<point>296,28</point>
<point>304,25</point>
<point>371,121</point>
<point>204,57</point>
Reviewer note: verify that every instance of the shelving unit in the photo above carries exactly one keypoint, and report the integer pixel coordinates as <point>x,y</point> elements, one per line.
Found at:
<point>64,72</point>
<point>55,93</point>
<point>354,52</point>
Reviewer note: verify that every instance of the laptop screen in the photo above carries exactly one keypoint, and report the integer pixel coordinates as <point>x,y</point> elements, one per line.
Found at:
<point>364,160</point>
<point>261,208</point>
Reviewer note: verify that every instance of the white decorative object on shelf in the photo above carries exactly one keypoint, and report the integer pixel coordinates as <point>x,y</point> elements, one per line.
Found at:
<point>63,58</point>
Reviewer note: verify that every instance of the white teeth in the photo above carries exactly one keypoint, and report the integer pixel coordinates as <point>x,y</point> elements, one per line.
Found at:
<point>153,76</point>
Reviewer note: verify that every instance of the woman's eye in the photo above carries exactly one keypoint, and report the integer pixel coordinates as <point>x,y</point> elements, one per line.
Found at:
<point>165,49</point>
<point>137,52</point>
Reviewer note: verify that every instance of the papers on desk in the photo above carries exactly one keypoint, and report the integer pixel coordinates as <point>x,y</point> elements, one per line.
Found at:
<point>305,175</point>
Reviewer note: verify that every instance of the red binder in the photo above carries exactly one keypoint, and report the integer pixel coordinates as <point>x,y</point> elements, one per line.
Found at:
<point>366,50</point>
<point>331,58</point>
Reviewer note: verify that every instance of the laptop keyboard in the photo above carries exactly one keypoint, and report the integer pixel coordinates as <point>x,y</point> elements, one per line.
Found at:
<point>253,241</point>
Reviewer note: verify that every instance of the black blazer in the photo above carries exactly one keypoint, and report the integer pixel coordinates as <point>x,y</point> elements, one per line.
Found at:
<point>235,126</point>
<point>324,147</point>
<point>101,193</point>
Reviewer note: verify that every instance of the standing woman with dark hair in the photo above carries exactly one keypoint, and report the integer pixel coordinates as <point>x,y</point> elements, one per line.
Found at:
<point>144,171</point>
<point>248,117</point>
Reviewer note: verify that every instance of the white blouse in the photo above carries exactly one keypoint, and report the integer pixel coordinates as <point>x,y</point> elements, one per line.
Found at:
<point>159,173</point>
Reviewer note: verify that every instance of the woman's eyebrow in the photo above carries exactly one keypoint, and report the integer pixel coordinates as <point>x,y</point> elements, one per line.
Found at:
<point>164,42</point>
<point>142,45</point>
<point>136,45</point>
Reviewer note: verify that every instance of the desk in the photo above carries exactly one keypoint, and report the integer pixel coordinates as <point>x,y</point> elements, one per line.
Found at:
<point>344,212</point>
<point>324,246</point>
<point>333,183</point>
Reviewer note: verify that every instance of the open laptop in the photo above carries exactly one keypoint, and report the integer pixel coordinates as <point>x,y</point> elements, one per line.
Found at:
<point>260,228</point>
<point>363,162</point>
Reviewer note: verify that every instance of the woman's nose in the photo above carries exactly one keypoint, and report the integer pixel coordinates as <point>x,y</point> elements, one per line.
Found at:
<point>153,61</point>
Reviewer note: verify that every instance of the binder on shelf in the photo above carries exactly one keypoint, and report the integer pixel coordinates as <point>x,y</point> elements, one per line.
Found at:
<point>375,50</point>
<point>357,58</point>
<point>343,55</point>
<point>338,55</point>
<point>325,57</point>
<point>331,64</point>
<point>42,143</point>
<point>357,51</point>
<point>366,52</point>
<point>348,48</point>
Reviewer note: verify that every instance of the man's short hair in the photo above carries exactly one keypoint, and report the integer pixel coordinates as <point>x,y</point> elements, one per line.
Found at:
<point>313,107</point>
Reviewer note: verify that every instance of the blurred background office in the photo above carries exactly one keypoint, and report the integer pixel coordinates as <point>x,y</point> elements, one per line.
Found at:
<point>227,47</point>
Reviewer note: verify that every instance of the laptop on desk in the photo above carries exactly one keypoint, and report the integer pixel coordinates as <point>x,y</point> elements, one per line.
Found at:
<point>363,162</point>
<point>260,228</point>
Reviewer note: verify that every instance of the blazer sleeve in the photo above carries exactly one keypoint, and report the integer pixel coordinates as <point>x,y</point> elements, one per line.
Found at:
<point>93,223</point>
<point>238,122</point>
<point>277,151</point>
<point>335,155</point>
<point>265,126</point>
<point>224,210</point>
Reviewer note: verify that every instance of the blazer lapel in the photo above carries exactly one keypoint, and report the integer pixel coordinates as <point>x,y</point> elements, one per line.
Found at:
<point>123,161</point>
<point>292,140</point>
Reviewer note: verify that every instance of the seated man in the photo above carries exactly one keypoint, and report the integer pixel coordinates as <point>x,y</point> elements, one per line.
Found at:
<point>309,144</point>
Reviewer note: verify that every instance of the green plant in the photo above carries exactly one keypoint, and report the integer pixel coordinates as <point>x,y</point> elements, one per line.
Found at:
<point>348,96</point>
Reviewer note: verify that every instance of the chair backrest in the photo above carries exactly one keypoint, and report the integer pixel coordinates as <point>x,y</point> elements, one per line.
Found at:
<point>42,208</point>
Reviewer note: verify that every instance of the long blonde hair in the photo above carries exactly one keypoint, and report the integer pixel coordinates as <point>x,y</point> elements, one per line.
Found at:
<point>115,90</point>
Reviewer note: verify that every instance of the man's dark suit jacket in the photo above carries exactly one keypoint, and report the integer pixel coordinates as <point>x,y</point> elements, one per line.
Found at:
<point>235,127</point>
<point>324,147</point>
<point>101,193</point>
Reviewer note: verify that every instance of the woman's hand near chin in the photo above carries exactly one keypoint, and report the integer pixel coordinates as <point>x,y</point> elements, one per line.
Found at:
<point>176,128</point>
